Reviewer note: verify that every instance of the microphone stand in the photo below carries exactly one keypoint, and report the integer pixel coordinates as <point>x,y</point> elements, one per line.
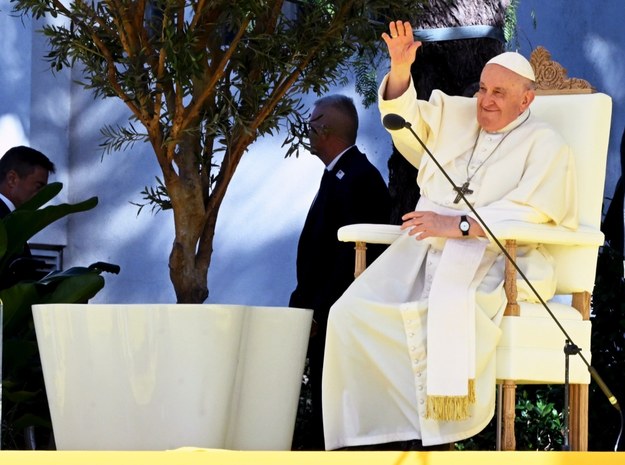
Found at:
<point>569,349</point>
<point>395,122</point>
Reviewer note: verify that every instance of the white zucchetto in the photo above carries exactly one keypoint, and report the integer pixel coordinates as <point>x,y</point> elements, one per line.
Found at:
<point>515,62</point>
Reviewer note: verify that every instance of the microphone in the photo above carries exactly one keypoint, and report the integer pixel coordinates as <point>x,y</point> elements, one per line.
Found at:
<point>394,122</point>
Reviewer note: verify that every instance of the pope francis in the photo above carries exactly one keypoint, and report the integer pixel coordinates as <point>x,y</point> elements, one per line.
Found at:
<point>410,349</point>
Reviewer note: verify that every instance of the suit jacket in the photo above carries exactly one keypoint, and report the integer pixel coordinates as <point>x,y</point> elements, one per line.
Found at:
<point>612,225</point>
<point>4,209</point>
<point>353,192</point>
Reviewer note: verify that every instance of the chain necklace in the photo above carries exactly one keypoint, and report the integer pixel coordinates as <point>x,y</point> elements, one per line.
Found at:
<point>464,189</point>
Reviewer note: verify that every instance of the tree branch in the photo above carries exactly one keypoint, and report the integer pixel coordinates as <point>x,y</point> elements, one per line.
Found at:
<point>217,73</point>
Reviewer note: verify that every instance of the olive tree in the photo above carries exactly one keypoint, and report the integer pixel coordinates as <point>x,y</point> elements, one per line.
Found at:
<point>203,79</point>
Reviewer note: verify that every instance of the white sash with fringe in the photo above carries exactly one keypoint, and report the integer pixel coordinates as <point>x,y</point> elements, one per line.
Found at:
<point>451,325</point>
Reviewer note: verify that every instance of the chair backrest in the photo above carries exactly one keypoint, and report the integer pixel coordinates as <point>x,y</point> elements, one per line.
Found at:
<point>583,118</point>
<point>584,122</point>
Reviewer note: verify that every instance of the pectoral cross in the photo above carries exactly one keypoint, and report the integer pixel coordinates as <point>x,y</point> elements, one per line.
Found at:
<point>463,190</point>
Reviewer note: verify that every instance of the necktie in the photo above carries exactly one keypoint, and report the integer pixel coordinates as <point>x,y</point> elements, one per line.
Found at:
<point>323,185</point>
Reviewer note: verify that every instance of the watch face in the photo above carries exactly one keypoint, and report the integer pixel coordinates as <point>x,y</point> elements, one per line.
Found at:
<point>465,226</point>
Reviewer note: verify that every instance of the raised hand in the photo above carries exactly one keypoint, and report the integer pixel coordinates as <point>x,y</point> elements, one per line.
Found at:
<point>402,49</point>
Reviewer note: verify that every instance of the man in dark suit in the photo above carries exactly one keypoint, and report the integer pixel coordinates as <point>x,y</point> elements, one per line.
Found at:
<point>613,224</point>
<point>352,191</point>
<point>23,172</point>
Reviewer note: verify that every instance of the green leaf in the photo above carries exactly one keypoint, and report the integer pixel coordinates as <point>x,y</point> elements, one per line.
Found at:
<point>75,287</point>
<point>21,396</point>
<point>16,302</point>
<point>43,196</point>
<point>31,420</point>
<point>23,223</point>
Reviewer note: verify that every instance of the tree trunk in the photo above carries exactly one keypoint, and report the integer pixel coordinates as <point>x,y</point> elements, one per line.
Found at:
<point>187,276</point>
<point>187,270</point>
<point>193,214</point>
<point>452,66</point>
<point>195,217</point>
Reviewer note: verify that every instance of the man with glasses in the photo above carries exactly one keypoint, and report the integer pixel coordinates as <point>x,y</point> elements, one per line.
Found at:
<point>352,190</point>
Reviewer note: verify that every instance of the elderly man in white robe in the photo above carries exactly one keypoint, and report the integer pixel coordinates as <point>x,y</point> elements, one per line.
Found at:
<point>410,350</point>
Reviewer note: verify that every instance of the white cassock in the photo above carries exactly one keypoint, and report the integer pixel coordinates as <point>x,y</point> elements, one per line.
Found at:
<point>377,384</point>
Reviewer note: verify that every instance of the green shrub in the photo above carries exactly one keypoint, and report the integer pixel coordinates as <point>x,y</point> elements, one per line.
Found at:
<point>24,402</point>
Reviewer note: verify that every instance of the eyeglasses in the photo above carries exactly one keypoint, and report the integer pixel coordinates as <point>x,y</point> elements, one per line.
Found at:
<point>315,128</point>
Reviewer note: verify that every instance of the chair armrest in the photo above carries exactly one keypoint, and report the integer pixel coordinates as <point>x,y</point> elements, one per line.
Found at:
<point>547,234</point>
<point>370,233</point>
<point>520,231</point>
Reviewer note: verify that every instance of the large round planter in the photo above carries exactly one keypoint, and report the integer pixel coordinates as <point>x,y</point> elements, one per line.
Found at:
<point>157,376</point>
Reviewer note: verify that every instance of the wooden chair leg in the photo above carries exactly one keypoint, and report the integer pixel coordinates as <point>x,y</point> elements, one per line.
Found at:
<point>578,418</point>
<point>578,393</point>
<point>509,405</point>
<point>508,441</point>
<point>361,258</point>
<point>499,416</point>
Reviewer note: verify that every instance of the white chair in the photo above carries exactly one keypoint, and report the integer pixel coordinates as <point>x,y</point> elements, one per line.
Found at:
<point>531,350</point>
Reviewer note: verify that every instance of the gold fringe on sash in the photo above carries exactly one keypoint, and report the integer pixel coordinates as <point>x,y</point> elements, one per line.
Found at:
<point>450,408</point>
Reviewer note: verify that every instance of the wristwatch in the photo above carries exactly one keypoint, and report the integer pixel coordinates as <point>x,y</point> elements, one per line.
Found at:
<point>464,225</point>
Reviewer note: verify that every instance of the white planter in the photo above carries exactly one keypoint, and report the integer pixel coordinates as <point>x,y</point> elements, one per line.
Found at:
<point>156,377</point>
